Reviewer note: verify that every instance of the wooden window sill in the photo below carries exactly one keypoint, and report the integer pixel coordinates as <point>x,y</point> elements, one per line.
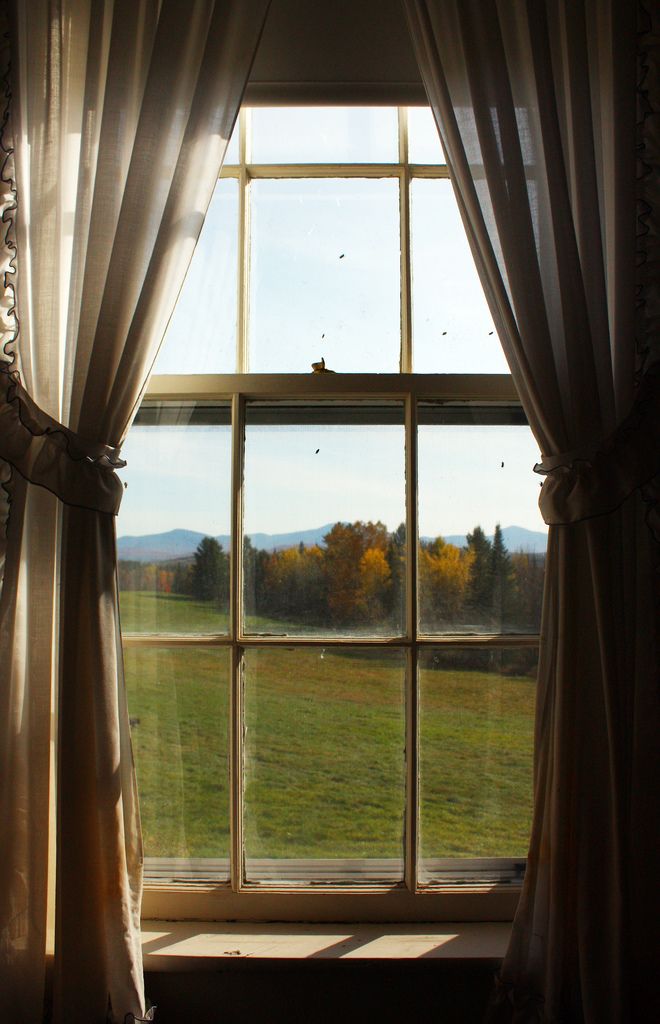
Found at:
<point>172,946</point>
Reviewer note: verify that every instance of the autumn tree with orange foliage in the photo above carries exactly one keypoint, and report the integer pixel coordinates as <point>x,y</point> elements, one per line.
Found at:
<point>351,577</point>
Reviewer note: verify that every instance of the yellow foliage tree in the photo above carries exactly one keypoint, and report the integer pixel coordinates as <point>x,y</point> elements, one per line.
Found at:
<point>444,574</point>
<point>375,582</point>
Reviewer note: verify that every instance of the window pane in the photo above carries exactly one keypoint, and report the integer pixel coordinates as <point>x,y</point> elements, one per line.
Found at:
<point>178,704</point>
<point>482,539</point>
<point>201,337</point>
<point>173,546</point>
<point>324,764</point>
<point>324,135</point>
<point>423,140</point>
<point>476,725</point>
<point>325,275</point>
<point>453,331</point>
<point>324,499</point>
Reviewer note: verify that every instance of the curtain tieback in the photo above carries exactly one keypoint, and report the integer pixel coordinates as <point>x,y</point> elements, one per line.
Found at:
<point>46,453</point>
<point>588,482</point>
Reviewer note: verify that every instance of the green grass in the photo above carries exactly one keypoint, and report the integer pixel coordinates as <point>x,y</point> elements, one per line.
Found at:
<point>325,751</point>
<point>147,612</point>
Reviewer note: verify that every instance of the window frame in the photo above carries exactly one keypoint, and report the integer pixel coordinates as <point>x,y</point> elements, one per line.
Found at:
<point>409,900</point>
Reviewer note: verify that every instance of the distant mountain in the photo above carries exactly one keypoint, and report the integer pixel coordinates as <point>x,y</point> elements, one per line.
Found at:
<point>165,547</point>
<point>158,547</point>
<point>516,538</point>
<point>275,541</point>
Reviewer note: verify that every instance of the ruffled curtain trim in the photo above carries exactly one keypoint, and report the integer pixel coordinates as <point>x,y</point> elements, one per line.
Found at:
<point>581,485</point>
<point>46,453</point>
<point>8,318</point>
<point>648,185</point>
<point>43,451</point>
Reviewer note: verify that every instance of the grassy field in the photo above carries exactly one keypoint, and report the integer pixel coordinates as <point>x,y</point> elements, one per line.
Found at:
<point>146,612</point>
<point>325,749</point>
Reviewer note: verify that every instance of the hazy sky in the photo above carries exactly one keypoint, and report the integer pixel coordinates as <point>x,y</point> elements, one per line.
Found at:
<point>325,281</point>
<point>179,477</point>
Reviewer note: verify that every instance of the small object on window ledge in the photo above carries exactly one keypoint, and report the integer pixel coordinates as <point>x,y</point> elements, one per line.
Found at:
<point>321,367</point>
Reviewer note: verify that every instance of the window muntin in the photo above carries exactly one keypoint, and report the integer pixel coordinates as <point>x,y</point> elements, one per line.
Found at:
<point>265,874</point>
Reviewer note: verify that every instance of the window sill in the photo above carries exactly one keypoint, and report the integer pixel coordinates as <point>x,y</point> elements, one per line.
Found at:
<point>188,945</point>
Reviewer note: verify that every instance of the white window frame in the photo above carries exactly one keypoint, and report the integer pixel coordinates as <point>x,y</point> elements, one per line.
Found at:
<point>409,900</point>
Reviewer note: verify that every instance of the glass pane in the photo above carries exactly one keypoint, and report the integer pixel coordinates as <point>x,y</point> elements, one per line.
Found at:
<point>324,764</point>
<point>324,501</point>
<point>482,538</point>
<point>325,275</point>
<point>324,135</point>
<point>201,337</point>
<point>476,722</point>
<point>173,543</point>
<point>423,140</point>
<point>453,331</point>
<point>178,704</point>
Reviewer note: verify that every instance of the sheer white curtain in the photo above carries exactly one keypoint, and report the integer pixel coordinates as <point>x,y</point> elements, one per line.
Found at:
<point>536,106</point>
<point>119,116</point>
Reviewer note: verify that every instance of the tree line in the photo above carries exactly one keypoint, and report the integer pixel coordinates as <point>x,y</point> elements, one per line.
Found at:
<point>356,578</point>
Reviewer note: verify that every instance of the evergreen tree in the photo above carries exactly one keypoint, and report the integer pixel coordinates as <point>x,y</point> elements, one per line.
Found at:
<point>480,586</point>
<point>210,574</point>
<point>528,572</point>
<point>250,577</point>
<point>182,583</point>
<point>502,581</point>
<point>396,557</point>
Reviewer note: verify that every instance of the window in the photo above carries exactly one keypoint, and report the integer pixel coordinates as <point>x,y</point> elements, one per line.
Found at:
<point>331,582</point>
